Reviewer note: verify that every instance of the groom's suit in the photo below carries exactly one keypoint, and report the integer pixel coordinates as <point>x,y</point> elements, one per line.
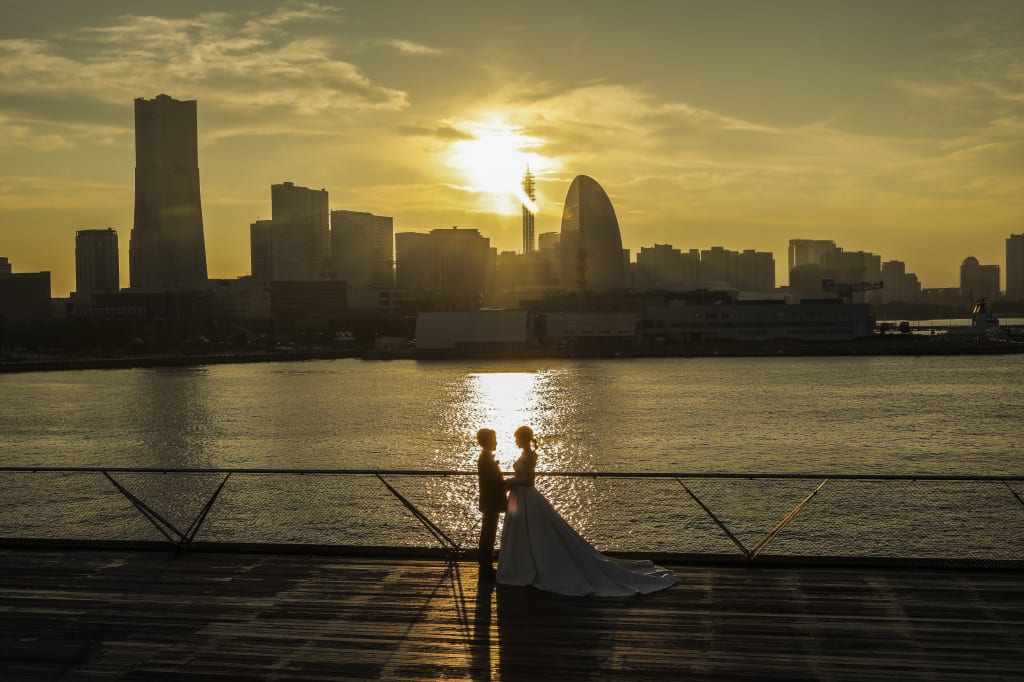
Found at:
<point>492,503</point>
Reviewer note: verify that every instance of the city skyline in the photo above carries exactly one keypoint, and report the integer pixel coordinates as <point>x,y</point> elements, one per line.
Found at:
<point>890,130</point>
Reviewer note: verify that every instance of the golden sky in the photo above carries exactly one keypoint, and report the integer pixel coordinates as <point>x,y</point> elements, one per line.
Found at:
<point>895,127</point>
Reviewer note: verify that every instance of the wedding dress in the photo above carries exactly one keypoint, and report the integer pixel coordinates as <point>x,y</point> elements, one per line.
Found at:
<point>539,548</point>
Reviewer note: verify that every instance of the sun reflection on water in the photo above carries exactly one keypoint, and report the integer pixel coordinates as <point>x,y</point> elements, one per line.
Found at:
<point>505,400</point>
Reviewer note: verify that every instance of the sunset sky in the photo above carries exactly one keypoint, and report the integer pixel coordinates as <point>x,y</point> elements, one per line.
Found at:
<point>894,127</point>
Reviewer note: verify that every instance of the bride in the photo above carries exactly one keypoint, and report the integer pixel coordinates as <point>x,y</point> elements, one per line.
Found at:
<point>539,548</point>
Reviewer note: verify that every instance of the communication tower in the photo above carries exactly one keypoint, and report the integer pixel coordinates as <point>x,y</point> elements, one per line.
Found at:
<point>531,194</point>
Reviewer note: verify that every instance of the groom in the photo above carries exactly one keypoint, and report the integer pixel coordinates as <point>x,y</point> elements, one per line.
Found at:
<point>492,498</point>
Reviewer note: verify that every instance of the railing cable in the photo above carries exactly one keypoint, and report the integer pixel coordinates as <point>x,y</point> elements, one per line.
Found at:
<point>1014,493</point>
<point>714,518</point>
<point>197,522</point>
<point>148,512</point>
<point>438,534</point>
<point>784,522</point>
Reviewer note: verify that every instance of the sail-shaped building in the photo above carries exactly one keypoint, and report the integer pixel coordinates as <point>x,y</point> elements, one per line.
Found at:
<point>590,248</point>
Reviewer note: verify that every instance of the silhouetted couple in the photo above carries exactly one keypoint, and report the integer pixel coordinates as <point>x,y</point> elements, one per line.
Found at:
<point>538,547</point>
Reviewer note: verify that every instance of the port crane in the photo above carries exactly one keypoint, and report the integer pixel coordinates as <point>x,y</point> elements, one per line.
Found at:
<point>846,290</point>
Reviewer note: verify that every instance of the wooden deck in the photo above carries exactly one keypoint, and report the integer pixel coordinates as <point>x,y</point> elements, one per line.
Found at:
<point>89,614</point>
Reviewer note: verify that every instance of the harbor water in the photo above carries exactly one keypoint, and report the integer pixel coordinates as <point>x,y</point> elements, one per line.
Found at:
<point>857,415</point>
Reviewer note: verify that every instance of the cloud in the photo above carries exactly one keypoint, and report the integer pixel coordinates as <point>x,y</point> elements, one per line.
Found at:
<point>443,132</point>
<point>25,192</point>
<point>21,135</point>
<point>232,61</point>
<point>410,48</point>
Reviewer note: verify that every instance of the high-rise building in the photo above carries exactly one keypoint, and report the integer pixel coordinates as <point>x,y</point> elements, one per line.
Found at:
<point>853,267</point>
<point>261,251</point>
<point>899,285</point>
<point>548,247</point>
<point>1015,267</point>
<point>748,270</point>
<point>96,262</point>
<point>978,281</point>
<point>590,245</point>
<point>413,261</point>
<point>461,261</point>
<point>167,249</point>
<point>5,266</point>
<point>662,264</point>
<point>362,249</point>
<point>808,251</point>
<point>717,265</point>
<point>756,271</point>
<point>529,192</point>
<point>300,234</point>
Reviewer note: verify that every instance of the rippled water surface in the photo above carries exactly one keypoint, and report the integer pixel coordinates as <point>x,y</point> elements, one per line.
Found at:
<point>853,415</point>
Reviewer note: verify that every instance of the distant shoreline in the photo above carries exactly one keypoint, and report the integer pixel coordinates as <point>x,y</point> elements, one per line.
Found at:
<point>169,360</point>
<point>893,345</point>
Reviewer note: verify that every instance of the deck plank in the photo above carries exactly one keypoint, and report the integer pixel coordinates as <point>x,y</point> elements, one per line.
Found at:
<point>91,614</point>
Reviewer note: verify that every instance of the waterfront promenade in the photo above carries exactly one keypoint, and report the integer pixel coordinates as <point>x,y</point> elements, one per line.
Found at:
<point>148,615</point>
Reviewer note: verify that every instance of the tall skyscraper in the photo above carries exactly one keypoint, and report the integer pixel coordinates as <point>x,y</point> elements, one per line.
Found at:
<point>96,262</point>
<point>301,233</point>
<point>1015,267</point>
<point>590,244</point>
<point>529,190</point>
<point>362,249</point>
<point>166,249</point>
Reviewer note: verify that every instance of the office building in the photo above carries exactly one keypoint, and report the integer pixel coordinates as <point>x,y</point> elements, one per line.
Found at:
<point>413,261</point>
<point>590,244</point>
<point>898,284</point>
<point>96,262</point>
<point>166,249</point>
<point>808,251</point>
<point>300,234</point>
<point>24,296</point>
<point>748,270</point>
<point>261,252</point>
<point>978,281</point>
<point>1015,267</point>
<point>852,267</point>
<point>362,249</point>
<point>662,264</point>
<point>461,262</point>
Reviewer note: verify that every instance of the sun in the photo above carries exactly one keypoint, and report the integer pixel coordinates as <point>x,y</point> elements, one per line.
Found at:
<point>492,160</point>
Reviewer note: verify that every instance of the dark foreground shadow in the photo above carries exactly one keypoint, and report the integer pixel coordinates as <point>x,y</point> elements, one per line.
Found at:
<point>547,636</point>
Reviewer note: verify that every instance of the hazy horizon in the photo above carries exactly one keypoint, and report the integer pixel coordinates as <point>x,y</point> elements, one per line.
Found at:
<point>891,128</point>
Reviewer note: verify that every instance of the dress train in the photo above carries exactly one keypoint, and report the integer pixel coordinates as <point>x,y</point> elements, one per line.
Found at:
<point>539,548</point>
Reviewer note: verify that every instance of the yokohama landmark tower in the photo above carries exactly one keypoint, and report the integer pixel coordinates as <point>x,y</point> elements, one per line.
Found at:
<point>167,249</point>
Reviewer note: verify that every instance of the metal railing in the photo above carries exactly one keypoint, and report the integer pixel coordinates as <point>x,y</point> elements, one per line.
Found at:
<point>746,516</point>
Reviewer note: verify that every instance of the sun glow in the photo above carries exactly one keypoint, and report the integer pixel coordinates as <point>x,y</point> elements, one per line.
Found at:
<point>492,161</point>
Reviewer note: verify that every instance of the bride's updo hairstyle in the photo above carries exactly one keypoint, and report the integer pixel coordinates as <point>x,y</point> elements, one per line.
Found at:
<point>524,434</point>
